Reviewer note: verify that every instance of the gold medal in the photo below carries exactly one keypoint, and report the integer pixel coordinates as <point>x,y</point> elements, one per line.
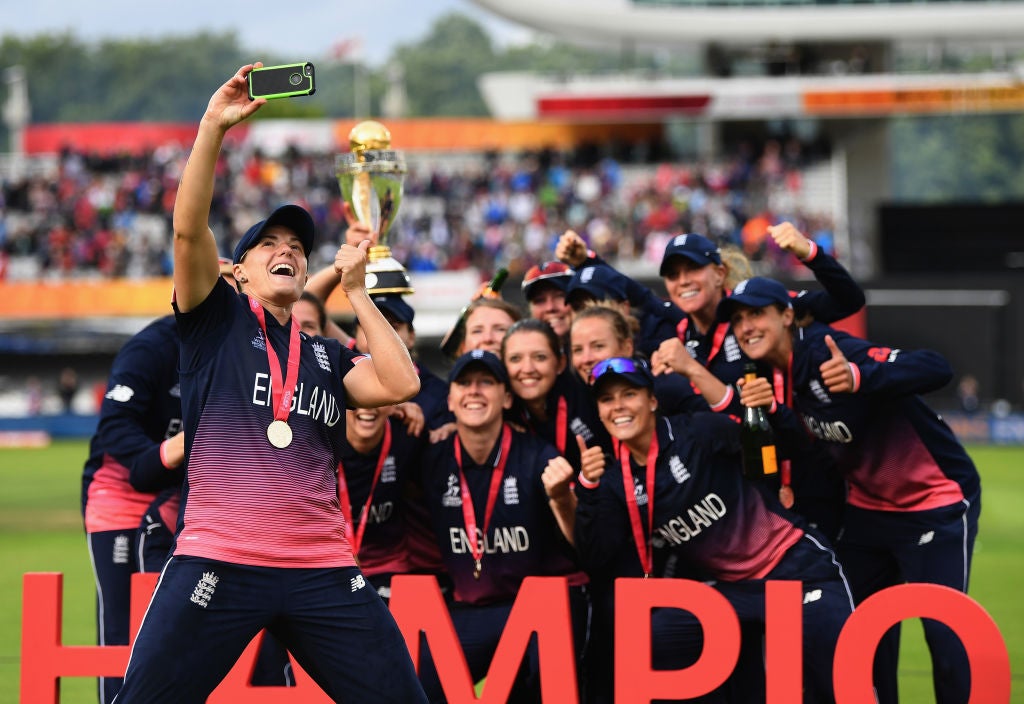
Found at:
<point>280,434</point>
<point>786,496</point>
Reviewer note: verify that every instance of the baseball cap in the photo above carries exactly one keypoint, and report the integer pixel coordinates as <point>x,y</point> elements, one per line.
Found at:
<point>756,292</point>
<point>394,304</point>
<point>482,359</point>
<point>633,371</point>
<point>697,248</point>
<point>294,217</point>
<point>554,274</point>
<point>598,281</point>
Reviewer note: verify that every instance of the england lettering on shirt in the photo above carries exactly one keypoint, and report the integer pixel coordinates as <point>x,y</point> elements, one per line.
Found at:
<point>503,539</point>
<point>685,526</point>
<point>382,512</point>
<point>173,428</point>
<point>315,402</point>
<point>829,431</point>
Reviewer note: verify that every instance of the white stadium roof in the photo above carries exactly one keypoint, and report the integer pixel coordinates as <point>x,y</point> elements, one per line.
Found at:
<point>755,21</point>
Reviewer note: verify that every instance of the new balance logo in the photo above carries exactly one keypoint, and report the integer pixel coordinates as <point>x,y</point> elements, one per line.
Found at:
<point>926,538</point>
<point>205,587</point>
<point>258,341</point>
<point>120,393</point>
<point>357,582</point>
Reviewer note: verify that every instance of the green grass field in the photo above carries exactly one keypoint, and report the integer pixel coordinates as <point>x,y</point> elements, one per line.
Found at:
<point>41,531</point>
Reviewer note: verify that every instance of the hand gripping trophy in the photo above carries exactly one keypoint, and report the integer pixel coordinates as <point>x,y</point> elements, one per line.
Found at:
<point>371,177</point>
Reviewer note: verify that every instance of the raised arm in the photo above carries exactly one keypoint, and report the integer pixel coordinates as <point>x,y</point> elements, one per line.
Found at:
<point>389,376</point>
<point>195,247</point>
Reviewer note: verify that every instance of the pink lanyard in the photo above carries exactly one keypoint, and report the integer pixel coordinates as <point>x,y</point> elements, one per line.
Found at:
<point>561,421</point>
<point>468,513</point>
<point>346,508</point>
<point>643,544</point>
<point>281,394</point>
<point>783,387</point>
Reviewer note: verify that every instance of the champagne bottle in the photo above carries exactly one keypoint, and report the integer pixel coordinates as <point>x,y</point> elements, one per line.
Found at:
<point>453,338</point>
<point>757,437</point>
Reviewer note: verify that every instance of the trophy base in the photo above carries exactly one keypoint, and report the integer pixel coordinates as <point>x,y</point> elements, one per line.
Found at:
<point>387,276</point>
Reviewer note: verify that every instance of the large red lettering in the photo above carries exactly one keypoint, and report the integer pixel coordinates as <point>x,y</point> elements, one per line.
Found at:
<point>541,607</point>
<point>986,650</point>
<point>635,680</point>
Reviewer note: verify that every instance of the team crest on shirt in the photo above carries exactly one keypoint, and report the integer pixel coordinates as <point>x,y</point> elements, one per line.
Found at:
<point>258,342</point>
<point>818,391</point>
<point>204,590</point>
<point>679,471</point>
<point>452,495</point>
<point>388,473</point>
<point>120,554</point>
<point>732,349</point>
<point>321,356</point>
<point>639,492</point>
<point>511,491</point>
<point>580,428</point>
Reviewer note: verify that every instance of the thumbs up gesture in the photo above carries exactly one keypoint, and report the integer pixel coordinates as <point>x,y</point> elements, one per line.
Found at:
<point>835,371</point>
<point>591,461</point>
<point>350,262</point>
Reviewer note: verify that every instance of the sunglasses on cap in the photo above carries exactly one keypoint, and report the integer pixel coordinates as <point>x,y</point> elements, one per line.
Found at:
<point>619,365</point>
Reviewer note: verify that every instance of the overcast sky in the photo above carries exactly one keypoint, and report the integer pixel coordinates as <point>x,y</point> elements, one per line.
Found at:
<point>300,29</point>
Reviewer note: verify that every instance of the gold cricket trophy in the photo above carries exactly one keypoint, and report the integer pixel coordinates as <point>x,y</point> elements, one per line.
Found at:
<point>371,176</point>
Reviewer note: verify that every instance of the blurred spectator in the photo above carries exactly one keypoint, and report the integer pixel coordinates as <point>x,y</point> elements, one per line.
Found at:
<point>67,387</point>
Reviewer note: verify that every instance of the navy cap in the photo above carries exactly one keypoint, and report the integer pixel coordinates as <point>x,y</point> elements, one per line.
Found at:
<point>697,248</point>
<point>635,372</point>
<point>394,304</point>
<point>554,274</point>
<point>756,292</point>
<point>597,281</point>
<point>294,217</point>
<point>483,359</point>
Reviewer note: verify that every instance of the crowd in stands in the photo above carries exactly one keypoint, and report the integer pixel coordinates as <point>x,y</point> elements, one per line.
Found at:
<point>109,216</point>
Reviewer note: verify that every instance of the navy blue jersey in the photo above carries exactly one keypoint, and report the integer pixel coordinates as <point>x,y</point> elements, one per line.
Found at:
<point>141,409</point>
<point>432,397</point>
<point>522,539</point>
<point>244,500</point>
<point>896,453</point>
<point>841,298</point>
<point>705,514</point>
<point>383,549</point>
<point>580,417</point>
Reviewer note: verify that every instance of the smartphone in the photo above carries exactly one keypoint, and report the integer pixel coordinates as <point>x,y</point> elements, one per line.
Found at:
<point>286,81</point>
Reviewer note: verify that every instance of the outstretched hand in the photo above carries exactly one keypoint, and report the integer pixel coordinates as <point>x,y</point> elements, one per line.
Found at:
<point>230,104</point>
<point>571,249</point>
<point>835,371</point>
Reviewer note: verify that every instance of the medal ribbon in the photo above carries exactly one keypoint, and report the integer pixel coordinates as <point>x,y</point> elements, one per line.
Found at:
<point>280,394</point>
<point>643,544</point>
<point>346,507</point>
<point>561,422</point>
<point>783,387</point>
<point>468,513</point>
<point>721,330</point>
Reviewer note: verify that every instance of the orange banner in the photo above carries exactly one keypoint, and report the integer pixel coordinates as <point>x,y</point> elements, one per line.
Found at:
<point>111,298</point>
<point>914,100</point>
